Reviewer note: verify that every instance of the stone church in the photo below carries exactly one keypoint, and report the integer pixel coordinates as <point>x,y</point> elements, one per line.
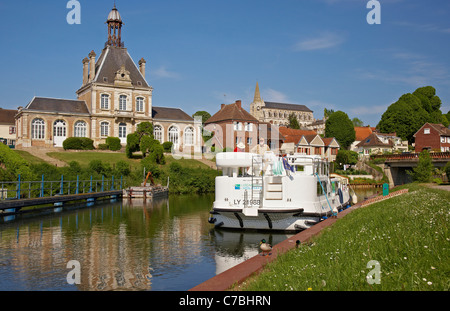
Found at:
<point>278,113</point>
<point>114,98</point>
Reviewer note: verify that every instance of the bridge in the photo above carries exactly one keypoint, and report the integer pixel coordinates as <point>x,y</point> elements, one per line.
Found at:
<point>42,195</point>
<point>397,165</point>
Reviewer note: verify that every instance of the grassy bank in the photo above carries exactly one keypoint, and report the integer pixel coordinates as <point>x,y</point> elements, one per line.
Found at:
<point>186,175</point>
<point>408,235</point>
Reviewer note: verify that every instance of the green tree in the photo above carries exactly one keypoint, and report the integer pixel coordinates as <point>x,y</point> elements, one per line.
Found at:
<point>407,115</point>
<point>327,112</point>
<point>357,122</point>
<point>340,127</point>
<point>293,122</point>
<point>346,157</point>
<point>424,169</point>
<point>204,114</point>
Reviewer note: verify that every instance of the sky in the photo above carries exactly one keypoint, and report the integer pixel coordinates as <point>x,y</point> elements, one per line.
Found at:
<point>202,53</point>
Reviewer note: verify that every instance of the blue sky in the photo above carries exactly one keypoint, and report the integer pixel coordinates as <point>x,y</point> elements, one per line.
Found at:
<point>202,53</point>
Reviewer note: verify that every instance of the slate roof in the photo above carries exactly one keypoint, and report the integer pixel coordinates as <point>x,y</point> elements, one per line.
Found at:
<point>284,106</point>
<point>373,141</point>
<point>7,116</point>
<point>58,105</point>
<point>110,61</point>
<point>164,113</point>
<point>231,112</point>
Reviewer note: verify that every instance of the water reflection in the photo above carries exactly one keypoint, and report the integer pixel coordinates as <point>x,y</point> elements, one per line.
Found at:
<point>167,244</point>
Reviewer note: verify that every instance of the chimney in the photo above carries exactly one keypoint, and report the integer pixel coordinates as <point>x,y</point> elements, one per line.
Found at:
<point>92,66</point>
<point>238,103</point>
<point>85,70</point>
<point>142,67</point>
<point>221,106</point>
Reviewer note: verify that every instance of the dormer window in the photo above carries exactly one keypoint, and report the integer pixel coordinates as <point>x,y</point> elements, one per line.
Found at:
<point>426,131</point>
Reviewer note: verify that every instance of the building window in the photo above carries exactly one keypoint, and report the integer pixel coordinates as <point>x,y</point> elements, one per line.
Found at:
<point>157,133</point>
<point>59,128</point>
<point>122,102</point>
<point>173,135</point>
<point>249,127</point>
<point>38,129</point>
<point>122,130</point>
<point>140,104</point>
<point>249,140</point>
<point>426,131</point>
<point>12,130</point>
<point>104,129</point>
<point>80,129</point>
<point>104,103</point>
<point>189,136</point>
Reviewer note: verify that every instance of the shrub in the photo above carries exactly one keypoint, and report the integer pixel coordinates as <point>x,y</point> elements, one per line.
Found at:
<point>437,181</point>
<point>151,167</point>
<point>102,147</point>
<point>78,143</point>
<point>167,146</point>
<point>123,168</point>
<point>113,143</point>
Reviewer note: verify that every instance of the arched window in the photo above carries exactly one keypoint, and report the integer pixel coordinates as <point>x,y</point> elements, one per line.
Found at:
<point>104,129</point>
<point>189,136</point>
<point>38,129</point>
<point>158,133</point>
<point>104,103</point>
<point>173,135</point>
<point>59,128</point>
<point>80,129</point>
<point>140,104</point>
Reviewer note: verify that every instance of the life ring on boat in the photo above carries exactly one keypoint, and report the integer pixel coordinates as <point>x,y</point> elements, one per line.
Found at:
<point>341,196</point>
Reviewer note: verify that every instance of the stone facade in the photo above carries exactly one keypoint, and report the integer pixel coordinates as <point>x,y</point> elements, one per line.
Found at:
<point>278,113</point>
<point>113,99</point>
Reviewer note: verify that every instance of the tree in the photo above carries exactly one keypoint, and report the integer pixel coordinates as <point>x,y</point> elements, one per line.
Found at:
<point>327,113</point>
<point>204,114</point>
<point>144,129</point>
<point>424,169</point>
<point>340,127</point>
<point>293,122</point>
<point>346,157</point>
<point>357,122</point>
<point>407,115</point>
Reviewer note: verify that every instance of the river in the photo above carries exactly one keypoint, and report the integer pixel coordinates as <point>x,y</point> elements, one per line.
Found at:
<point>165,245</point>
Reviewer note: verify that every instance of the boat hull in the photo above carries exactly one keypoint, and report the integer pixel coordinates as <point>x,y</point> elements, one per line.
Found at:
<point>268,220</point>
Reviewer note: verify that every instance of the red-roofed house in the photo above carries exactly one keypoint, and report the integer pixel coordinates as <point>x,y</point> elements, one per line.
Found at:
<point>432,137</point>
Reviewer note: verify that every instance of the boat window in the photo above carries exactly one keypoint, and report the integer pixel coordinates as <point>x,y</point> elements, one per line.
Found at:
<point>319,188</point>
<point>299,168</point>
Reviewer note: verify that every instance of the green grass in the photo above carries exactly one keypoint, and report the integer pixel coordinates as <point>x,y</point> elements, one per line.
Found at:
<point>28,157</point>
<point>83,158</point>
<point>408,235</point>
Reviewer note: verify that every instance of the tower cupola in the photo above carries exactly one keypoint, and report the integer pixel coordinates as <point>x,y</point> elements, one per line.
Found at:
<point>114,28</point>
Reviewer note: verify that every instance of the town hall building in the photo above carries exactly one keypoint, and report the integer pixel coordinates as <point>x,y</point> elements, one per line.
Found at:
<point>113,99</point>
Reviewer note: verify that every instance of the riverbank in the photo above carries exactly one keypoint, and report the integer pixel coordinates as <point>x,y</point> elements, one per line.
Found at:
<point>406,235</point>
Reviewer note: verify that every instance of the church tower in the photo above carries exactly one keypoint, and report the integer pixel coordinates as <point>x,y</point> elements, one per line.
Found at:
<point>256,107</point>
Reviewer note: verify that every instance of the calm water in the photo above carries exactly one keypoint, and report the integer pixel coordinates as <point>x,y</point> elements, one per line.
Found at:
<point>164,245</point>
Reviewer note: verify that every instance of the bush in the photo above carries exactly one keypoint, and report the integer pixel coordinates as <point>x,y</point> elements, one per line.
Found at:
<point>151,167</point>
<point>123,168</point>
<point>437,181</point>
<point>102,147</point>
<point>78,143</point>
<point>113,143</point>
<point>167,146</point>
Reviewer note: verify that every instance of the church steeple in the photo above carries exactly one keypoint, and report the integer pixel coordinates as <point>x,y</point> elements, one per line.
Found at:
<point>114,28</point>
<point>257,94</point>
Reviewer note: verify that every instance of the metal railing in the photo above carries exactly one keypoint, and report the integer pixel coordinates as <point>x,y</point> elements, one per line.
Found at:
<point>38,189</point>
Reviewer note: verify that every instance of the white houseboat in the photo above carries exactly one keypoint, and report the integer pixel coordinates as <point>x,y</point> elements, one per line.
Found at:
<point>268,192</point>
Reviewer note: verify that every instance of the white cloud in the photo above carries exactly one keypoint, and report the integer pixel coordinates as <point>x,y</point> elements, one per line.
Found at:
<point>323,41</point>
<point>272,95</point>
<point>162,72</point>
